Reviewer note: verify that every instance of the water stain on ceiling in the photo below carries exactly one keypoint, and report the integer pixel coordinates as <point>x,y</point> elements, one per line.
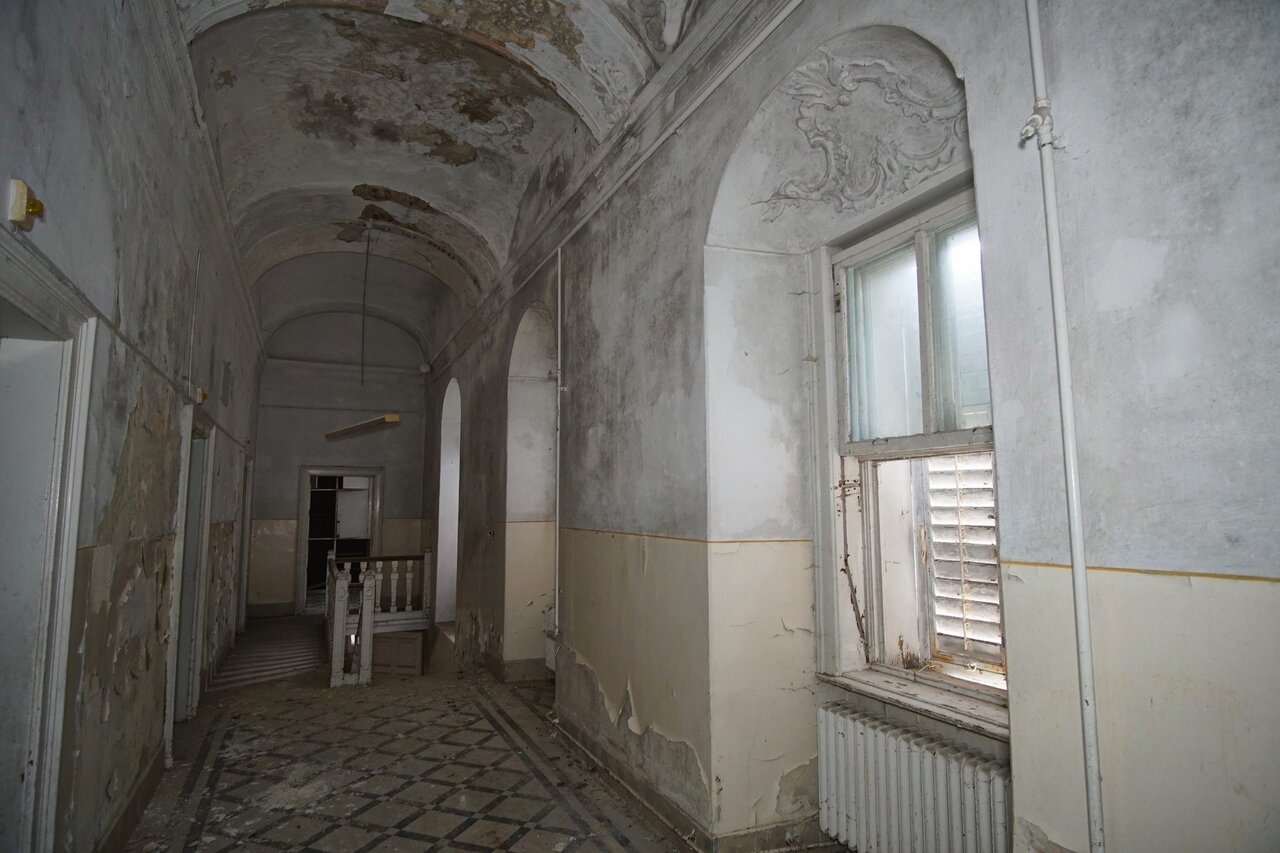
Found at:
<point>417,125</point>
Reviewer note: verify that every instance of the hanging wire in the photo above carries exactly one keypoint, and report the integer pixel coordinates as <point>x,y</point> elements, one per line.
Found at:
<point>364,293</point>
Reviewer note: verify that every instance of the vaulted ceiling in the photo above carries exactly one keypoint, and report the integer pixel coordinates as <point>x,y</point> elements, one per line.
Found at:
<point>414,124</point>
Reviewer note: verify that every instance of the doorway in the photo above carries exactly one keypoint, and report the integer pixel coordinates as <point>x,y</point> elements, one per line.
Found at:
<point>447,528</point>
<point>338,521</point>
<point>46,356</point>
<point>194,545</point>
<point>31,366</point>
<point>339,510</point>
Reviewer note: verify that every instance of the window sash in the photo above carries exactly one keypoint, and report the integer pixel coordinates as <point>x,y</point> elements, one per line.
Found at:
<point>955,625</point>
<point>918,231</point>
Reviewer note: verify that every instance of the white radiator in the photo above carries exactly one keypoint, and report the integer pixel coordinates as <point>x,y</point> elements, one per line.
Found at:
<point>885,788</point>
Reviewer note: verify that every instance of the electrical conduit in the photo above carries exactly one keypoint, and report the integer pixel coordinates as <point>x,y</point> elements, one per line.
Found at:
<point>1040,126</point>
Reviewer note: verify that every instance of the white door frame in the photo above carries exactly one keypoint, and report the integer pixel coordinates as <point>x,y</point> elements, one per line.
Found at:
<point>32,283</point>
<point>194,423</point>
<point>305,473</point>
<point>246,521</point>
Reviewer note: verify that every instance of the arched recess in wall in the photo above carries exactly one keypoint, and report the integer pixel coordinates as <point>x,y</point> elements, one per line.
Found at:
<point>869,124</point>
<point>448,505</point>
<point>531,490</point>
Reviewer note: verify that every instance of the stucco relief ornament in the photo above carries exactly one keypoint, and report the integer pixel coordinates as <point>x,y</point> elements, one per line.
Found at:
<point>879,148</point>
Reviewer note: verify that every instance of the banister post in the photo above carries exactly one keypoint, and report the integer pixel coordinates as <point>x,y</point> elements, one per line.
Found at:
<point>368,590</point>
<point>408,584</point>
<point>394,604</point>
<point>338,623</point>
<point>429,586</point>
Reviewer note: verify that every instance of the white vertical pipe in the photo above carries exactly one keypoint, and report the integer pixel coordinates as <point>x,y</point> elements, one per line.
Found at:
<point>1040,125</point>
<point>555,613</point>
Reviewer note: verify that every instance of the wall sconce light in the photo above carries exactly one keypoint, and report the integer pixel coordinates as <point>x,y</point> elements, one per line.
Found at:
<point>23,208</point>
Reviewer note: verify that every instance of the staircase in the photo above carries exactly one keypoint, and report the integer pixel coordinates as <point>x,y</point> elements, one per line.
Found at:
<point>270,649</point>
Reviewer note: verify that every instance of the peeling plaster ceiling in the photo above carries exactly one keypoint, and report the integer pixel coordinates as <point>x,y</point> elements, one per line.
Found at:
<point>425,119</point>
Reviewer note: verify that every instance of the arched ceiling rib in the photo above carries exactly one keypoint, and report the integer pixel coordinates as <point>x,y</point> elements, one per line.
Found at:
<point>318,283</point>
<point>343,308</point>
<point>404,227</point>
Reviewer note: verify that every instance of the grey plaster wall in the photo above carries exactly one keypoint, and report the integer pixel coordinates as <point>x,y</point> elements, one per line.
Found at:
<point>99,122</point>
<point>634,437</point>
<point>1173,291</point>
<point>301,401</point>
<point>482,373</point>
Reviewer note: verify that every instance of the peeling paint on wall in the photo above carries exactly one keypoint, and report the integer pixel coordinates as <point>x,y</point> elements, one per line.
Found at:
<point>798,790</point>
<point>671,766</point>
<point>117,677</point>
<point>222,603</point>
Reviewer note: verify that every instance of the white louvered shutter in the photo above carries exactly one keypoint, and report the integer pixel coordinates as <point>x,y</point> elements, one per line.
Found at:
<point>963,556</point>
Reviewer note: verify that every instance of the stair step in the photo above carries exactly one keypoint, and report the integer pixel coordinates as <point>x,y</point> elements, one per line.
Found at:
<point>270,650</point>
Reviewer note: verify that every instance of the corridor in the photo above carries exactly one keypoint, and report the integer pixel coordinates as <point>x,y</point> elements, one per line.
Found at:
<point>855,409</point>
<point>404,765</point>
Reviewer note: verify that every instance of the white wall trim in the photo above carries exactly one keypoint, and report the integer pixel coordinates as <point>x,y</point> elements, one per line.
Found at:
<point>202,573</point>
<point>31,282</point>
<point>194,423</point>
<point>246,522</point>
<point>56,630</point>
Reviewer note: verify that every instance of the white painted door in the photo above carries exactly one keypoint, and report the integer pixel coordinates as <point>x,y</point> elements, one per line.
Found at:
<point>352,515</point>
<point>190,586</point>
<point>30,394</point>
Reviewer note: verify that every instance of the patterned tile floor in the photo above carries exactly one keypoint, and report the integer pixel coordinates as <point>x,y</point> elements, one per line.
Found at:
<point>433,763</point>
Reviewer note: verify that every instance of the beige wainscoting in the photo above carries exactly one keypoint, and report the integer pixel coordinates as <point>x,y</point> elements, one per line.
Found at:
<point>530,588</point>
<point>402,536</point>
<point>1188,707</point>
<point>272,568</point>
<point>708,645</point>
<point>763,736</point>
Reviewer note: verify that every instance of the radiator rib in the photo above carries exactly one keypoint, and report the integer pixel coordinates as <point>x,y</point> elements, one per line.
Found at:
<point>885,788</point>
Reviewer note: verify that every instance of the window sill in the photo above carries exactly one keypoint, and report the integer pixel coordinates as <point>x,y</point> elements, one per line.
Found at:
<point>987,718</point>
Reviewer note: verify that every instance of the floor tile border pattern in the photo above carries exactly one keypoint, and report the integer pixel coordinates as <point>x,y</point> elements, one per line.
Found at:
<point>211,784</point>
<point>536,760</point>
<point>590,823</point>
<point>468,818</point>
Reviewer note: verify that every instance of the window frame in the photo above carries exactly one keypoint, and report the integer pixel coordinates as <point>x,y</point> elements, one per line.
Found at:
<point>864,456</point>
<point>932,441</point>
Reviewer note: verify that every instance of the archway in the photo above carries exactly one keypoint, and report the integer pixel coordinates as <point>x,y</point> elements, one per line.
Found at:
<point>447,515</point>
<point>531,497</point>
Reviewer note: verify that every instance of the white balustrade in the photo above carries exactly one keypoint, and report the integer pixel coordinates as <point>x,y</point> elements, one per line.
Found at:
<point>395,586</point>
<point>370,613</point>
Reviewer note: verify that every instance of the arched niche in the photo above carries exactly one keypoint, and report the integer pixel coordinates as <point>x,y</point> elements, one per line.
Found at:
<point>531,491</point>
<point>448,505</point>
<point>868,124</point>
